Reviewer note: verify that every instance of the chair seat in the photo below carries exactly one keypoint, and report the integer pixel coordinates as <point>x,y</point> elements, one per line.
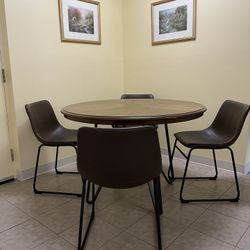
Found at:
<point>207,138</point>
<point>59,137</point>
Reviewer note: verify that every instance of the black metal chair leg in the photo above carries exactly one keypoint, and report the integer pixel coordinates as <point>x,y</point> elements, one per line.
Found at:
<point>58,172</point>
<point>81,214</point>
<point>151,187</point>
<point>172,157</point>
<point>236,178</point>
<point>184,177</point>
<point>63,172</point>
<point>171,169</point>
<point>36,168</point>
<point>196,177</point>
<point>166,178</point>
<point>158,209</point>
<point>215,166</point>
<point>235,199</point>
<point>35,178</point>
<point>151,192</point>
<point>81,243</point>
<point>87,193</point>
<point>96,194</point>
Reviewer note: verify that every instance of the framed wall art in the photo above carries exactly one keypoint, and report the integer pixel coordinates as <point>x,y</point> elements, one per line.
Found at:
<point>173,21</point>
<point>80,21</point>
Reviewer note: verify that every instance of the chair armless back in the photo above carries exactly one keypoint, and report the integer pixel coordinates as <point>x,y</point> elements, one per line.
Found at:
<point>119,157</point>
<point>137,96</point>
<point>42,118</point>
<point>229,120</point>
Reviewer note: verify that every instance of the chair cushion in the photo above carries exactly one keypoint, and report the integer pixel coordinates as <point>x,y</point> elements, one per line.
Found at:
<point>60,137</point>
<point>207,138</point>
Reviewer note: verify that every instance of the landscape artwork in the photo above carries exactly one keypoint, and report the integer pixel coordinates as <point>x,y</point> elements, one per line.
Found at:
<point>80,21</point>
<point>173,21</point>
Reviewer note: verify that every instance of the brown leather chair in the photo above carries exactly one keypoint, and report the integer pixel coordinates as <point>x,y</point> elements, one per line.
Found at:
<point>119,158</point>
<point>50,133</point>
<point>221,134</point>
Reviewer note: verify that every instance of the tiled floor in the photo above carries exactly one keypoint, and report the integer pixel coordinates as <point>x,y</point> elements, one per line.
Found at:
<point>124,218</point>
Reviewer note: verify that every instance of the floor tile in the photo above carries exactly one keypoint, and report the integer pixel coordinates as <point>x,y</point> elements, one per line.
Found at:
<point>221,227</point>
<point>194,169</point>
<point>55,244</point>
<point>100,233</point>
<point>127,242</point>
<point>61,218</point>
<point>217,186</point>
<point>182,211</point>
<point>108,197</point>
<point>25,236</point>
<point>145,229</point>
<point>193,240</point>
<point>121,214</point>
<point>200,192</point>
<point>245,241</point>
<point>239,210</point>
<point>244,179</point>
<point>10,216</point>
<point>36,204</point>
<point>244,192</point>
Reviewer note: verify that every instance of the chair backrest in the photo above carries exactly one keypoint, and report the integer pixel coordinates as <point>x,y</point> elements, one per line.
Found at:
<point>119,157</point>
<point>137,96</point>
<point>229,120</point>
<point>42,118</point>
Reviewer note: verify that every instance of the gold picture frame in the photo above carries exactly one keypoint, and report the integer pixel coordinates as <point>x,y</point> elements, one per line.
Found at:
<point>173,21</point>
<point>80,21</point>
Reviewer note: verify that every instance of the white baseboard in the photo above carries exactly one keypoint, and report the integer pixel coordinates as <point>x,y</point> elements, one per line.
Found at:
<point>247,168</point>
<point>71,161</point>
<point>6,179</point>
<point>46,168</point>
<point>208,161</point>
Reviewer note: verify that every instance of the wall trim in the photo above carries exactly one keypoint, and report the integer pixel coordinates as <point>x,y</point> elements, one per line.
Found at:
<point>6,179</point>
<point>46,168</point>
<point>247,168</point>
<point>208,161</point>
<point>49,167</point>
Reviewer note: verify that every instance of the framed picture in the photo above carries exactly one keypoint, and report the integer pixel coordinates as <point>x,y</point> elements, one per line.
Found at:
<point>173,21</point>
<point>80,21</point>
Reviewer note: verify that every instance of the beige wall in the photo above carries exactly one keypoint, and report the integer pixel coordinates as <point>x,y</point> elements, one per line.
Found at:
<point>209,70</point>
<point>45,68</point>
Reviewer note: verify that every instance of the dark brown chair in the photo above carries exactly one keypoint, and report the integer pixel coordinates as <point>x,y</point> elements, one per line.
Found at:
<point>50,133</point>
<point>119,158</point>
<point>221,134</point>
<point>124,96</point>
<point>137,96</point>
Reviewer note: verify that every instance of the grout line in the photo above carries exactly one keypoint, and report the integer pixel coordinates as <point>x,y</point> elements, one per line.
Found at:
<point>242,236</point>
<point>208,208</point>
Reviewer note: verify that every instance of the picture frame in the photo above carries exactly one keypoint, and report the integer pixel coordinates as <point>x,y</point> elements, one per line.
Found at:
<point>173,21</point>
<point>80,21</point>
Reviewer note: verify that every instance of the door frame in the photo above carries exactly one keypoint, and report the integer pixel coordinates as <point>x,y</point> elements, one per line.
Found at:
<point>8,92</point>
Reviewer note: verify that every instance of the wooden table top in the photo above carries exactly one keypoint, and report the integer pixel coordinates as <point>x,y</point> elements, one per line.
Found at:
<point>134,111</point>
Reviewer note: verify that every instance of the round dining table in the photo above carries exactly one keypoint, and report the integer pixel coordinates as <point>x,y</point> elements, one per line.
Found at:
<point>136,112</point>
